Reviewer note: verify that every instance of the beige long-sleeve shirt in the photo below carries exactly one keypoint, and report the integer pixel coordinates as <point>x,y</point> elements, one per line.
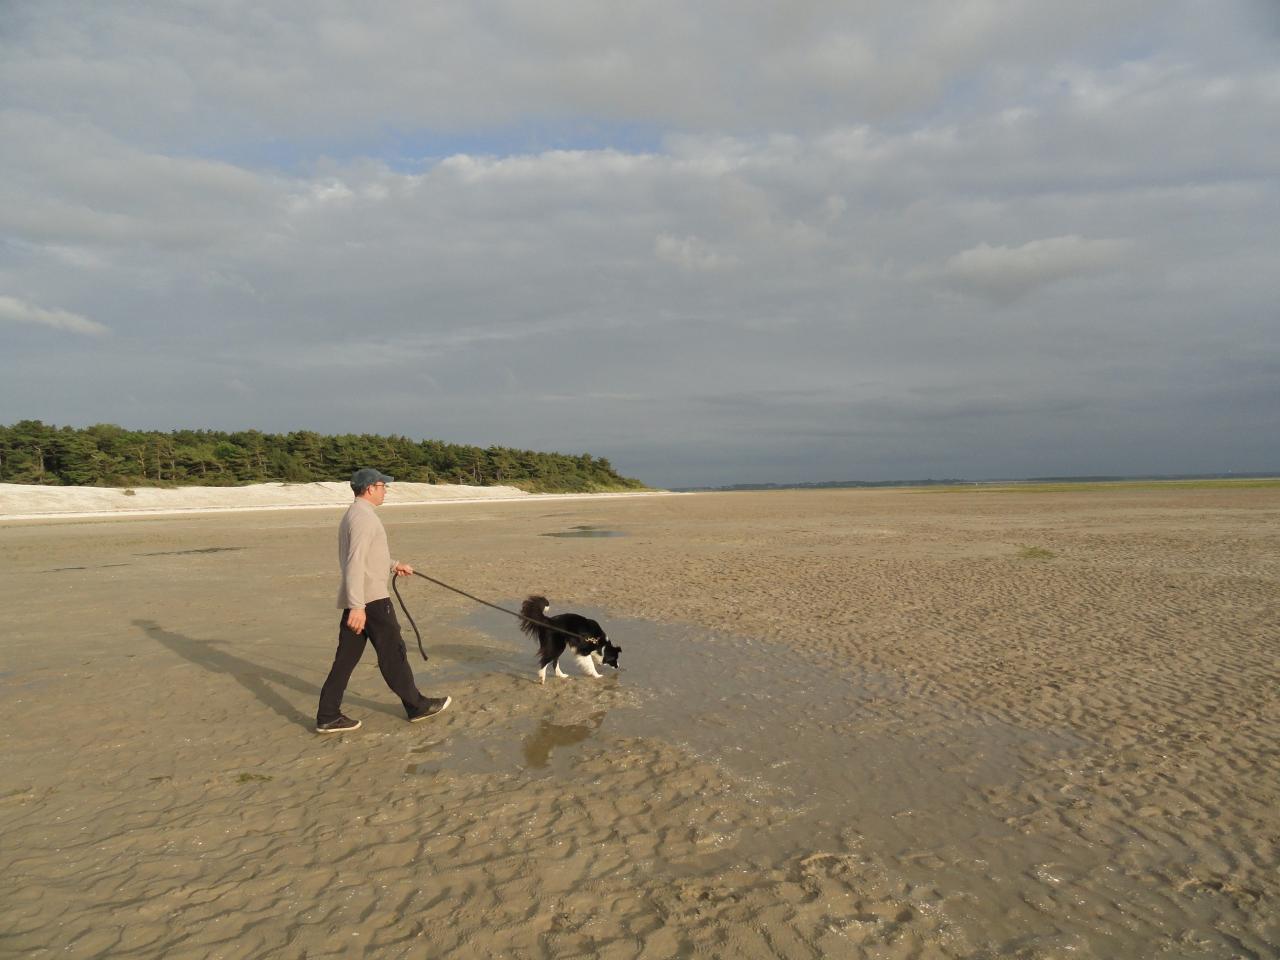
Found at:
<point>363,557</point>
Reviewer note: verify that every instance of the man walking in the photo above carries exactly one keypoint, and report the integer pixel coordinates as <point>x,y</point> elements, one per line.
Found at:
<point>367,614</point>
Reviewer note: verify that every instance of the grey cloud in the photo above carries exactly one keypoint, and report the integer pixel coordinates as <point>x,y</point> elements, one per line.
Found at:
<point>72,184</point>
<point>153,70</point>
<point>796,279</point>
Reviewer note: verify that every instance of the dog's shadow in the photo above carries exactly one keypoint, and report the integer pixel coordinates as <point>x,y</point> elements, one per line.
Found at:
<point>259,680</point>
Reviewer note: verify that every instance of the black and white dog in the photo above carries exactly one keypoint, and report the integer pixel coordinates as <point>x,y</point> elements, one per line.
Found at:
<point>566,630</point>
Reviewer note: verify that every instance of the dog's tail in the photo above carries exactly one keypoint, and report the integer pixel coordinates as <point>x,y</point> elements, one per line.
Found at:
<point>534,608</point>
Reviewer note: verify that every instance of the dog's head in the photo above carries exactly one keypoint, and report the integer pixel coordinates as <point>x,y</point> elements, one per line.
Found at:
<point>609,652</point>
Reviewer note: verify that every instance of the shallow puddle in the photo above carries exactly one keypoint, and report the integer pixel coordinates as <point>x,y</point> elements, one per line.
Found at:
<point>586,531</point>
<point>810,734</point>
<point>97,566</point>
<point>183,553</point>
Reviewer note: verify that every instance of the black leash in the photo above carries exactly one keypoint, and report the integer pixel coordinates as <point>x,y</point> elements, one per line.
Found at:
<point>421,649</point>
<point>441,583</point>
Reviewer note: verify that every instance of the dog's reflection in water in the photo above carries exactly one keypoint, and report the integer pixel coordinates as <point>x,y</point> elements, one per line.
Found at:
<point>539,744</point>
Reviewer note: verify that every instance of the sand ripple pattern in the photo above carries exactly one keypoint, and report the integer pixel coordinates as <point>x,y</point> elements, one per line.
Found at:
<point>1036,726</point>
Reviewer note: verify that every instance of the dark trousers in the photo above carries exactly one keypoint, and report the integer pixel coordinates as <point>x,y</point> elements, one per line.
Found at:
<point>382,630</point>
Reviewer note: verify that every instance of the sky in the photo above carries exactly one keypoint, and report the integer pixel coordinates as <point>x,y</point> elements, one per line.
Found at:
<point>724,242</point>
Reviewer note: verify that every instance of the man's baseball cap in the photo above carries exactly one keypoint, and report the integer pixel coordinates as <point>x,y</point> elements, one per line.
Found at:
<point>366,477</point>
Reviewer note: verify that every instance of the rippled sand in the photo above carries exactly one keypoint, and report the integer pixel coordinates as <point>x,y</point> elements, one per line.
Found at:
<point>850,723</point>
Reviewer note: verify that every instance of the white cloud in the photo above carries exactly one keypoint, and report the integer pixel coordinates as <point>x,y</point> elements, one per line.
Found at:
<point>1004,274</point>
<point>690,253</point>
<point>13,310</point>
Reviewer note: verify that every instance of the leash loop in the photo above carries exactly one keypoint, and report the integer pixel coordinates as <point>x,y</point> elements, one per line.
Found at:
<point>421,649</point>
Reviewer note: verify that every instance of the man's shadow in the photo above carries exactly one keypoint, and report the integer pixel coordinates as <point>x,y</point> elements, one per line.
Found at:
<point>254,677</point>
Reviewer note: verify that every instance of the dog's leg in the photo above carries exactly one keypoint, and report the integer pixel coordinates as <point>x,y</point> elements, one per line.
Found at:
<point>542,674</point>
<point>588,666</point>
<point>559,673</point>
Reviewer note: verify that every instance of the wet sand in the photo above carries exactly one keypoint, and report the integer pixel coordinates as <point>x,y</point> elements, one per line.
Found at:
<point>850,723</point>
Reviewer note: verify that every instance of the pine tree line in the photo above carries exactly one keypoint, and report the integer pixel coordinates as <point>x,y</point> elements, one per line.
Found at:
<point>106,455</point>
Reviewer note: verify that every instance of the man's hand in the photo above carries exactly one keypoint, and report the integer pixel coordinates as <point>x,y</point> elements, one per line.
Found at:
<point>355,620</point>
<point>402,570</point>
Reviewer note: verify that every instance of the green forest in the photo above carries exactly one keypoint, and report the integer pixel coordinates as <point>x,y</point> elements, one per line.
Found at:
<point>106,455</point>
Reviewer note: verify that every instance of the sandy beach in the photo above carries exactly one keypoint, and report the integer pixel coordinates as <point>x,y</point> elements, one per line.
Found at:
<point>27,502</point>
<point>862,723</point>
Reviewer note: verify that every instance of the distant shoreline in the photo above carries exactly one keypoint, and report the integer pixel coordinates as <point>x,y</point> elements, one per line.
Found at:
<point>1210,479</point>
